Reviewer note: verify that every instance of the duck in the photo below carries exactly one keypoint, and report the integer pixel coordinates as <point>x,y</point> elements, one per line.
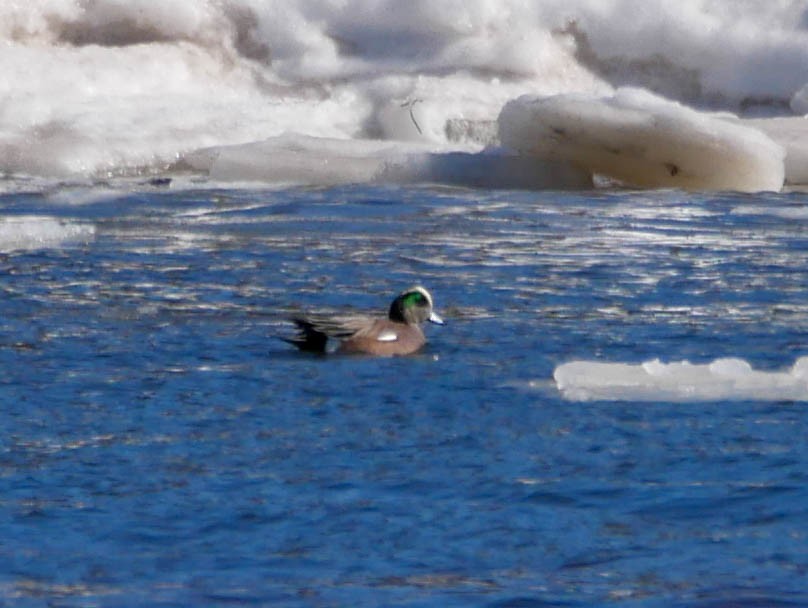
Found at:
<point>398,334</point>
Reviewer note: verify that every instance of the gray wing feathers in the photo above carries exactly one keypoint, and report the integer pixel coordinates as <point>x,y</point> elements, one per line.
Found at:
<point>339,327</point>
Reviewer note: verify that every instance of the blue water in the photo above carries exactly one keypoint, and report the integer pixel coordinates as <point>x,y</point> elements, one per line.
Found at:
<point>159,446</point>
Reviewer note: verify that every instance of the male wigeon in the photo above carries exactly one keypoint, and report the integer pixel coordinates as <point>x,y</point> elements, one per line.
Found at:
<point>398,334</point>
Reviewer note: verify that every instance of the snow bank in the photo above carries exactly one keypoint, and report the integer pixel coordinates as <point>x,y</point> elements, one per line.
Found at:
<point>121,87</point>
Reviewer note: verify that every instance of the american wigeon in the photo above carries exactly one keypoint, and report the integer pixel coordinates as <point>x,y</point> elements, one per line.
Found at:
<point>399,334</point>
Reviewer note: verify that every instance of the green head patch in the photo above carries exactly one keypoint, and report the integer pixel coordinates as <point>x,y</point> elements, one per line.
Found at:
<point>411,307</point>
<point>414,298</point>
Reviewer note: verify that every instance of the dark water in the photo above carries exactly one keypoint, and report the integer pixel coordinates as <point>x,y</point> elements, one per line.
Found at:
<point>159,446</point>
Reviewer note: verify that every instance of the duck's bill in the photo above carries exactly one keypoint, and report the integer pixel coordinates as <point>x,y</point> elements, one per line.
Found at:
<point>434,318</point>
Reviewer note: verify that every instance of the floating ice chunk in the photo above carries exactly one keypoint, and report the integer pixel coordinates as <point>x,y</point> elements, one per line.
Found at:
<point>792,134</point>
<point>800,369</point>
<point>38,232</point>
<point>643,140</point>
<point>731,368</point>
<point>721,380</point>
<point>294,159</point>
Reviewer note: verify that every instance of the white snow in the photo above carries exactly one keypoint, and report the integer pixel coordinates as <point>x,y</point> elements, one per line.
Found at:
<point>122,87</point>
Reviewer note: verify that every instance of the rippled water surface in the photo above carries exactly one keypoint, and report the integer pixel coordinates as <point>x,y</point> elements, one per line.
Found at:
<point>160,446</point>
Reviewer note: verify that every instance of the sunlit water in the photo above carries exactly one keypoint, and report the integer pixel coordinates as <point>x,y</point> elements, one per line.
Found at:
<point>159,445</point>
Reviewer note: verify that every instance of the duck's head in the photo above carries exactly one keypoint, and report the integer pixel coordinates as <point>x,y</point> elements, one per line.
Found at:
<point>413,307</point>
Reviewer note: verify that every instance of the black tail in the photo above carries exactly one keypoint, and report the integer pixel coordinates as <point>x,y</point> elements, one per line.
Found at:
<point>308,338</point>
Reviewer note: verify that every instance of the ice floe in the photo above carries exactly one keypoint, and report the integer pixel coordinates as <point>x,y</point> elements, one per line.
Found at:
<point>644,140</point>
<point>294,159</point>
<point>723,379</point>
